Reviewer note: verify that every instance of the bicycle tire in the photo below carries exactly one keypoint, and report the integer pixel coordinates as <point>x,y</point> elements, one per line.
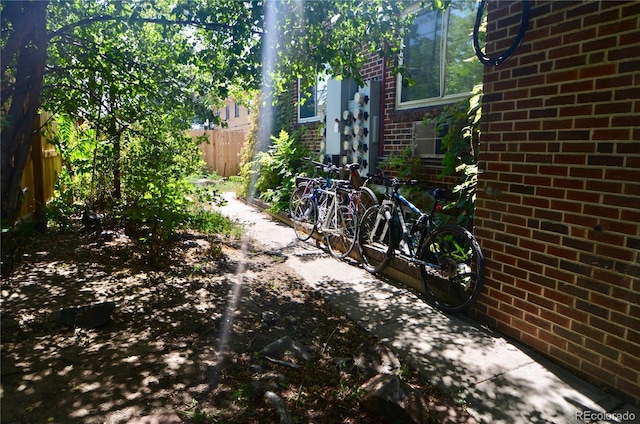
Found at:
<point>367,199</point>
<point>304,214</point>
<point>454,279</point>
<point>342,240</point>
<point>372,245</point>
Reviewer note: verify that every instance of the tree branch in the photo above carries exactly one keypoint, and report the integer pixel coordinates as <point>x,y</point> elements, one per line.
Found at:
<point>160,21</point>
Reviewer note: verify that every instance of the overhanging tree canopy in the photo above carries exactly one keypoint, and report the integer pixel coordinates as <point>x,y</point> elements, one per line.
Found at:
<point>154,62</point>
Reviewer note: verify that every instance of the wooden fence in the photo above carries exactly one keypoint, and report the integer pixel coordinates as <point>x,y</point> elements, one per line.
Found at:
<point>222,152</point>
<point>42,168</point>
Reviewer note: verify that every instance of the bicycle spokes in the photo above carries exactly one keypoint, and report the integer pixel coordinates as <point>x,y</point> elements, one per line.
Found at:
<point>303,215</point>
<point>452,268</point>
<point>373,240</point>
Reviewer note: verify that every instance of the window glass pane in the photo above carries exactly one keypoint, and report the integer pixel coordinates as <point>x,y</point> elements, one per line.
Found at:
<point>438,56</point>
<point>321,95</point>
<point>421,57</point>
<point>462,68</point>
<point>308,108</point>
<point>316,98</point>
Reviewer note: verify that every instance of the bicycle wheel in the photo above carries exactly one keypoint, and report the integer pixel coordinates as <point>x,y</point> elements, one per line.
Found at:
<point>342,239</point>
<point>367,199</point>
<point>374,238</point>
<point>304,214</point>
<point>454,271</point>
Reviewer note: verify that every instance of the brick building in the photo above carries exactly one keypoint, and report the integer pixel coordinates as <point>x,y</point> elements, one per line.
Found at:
<point>558,204</point>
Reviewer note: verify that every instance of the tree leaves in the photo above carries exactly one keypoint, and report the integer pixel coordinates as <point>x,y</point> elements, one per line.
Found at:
<point>135,66</point>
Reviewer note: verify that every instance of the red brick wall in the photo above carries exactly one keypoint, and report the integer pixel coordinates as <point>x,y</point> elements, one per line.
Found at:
<point>558,207</point>
<point>397,131</point>
<point>309,134</point>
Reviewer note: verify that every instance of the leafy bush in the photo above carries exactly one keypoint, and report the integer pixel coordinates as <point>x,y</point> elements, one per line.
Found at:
<point>154,166</point>
<point>277,168</point>
<point>158,197</point>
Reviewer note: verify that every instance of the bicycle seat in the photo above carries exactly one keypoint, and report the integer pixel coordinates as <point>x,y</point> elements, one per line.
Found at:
<point>442,194</point>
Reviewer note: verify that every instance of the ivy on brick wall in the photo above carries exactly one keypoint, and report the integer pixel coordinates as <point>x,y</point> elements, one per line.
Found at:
<point>460,124</point>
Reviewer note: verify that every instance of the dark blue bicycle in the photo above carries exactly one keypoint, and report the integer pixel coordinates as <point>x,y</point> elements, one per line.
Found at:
<point>449,257</point>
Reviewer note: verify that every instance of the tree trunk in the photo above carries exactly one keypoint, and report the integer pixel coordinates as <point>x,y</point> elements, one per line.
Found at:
<point>26,47</point>
<point>115,132</point>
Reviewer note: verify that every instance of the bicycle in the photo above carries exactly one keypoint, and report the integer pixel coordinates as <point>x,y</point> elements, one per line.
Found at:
<point>328,206</point>
<point>449,257</point>
<point>363,196</point>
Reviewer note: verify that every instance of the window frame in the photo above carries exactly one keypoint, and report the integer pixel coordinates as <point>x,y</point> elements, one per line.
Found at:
<point>432,101</point>
<point>322,77</point>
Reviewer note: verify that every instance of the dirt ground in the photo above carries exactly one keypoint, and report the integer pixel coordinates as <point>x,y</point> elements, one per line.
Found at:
<point>182,343</point>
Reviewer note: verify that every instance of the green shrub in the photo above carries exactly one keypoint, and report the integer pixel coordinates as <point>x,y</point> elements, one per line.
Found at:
<point>277,168</point>
<point>157,169</point>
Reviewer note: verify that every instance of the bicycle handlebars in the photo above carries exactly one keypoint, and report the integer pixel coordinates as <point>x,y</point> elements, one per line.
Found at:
<point>331,168</point>
<point>396,183</point>
<point>380,178</point>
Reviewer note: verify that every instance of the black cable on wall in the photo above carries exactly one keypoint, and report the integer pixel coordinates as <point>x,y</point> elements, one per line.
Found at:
<point>496,60</point>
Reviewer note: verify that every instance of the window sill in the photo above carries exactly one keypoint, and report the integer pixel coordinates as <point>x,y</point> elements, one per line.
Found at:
<point>415,114</point>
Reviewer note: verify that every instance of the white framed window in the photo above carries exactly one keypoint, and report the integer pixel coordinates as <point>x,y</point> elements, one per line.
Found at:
<point>312,102</point>
<point>439,62</point>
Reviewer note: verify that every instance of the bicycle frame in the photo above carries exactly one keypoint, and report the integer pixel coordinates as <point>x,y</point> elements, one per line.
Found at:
<point>330,206</point>
<point>449,257</point>
<point>392,209</point>
<point>413,237</point>
<point>325,198</point>
<point>329,217</point>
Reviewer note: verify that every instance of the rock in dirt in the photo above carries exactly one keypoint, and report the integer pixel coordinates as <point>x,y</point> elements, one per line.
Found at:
<point>389,397</point>
<point>88,316</point>
<point>373,358</point>
<point>278,403</point>
<point>286,345</point>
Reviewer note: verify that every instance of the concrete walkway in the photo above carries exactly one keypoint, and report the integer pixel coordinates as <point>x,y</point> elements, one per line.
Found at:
<point>498,381</point>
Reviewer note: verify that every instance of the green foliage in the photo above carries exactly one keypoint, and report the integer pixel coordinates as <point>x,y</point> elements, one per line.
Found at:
<point>404,162</point>
<point>155,165</point>
<point>134,65</point>
<point>77,145</point>
<point>197,415</point>
<point>63,207</point>
<point>407,165</point>
<point>336,36</point>
<point>210,222</point>
<point>158,197</point>
<point>461,124</point>
<point>248,151</point>
<point>184,57</point>
<point>276,170</point>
